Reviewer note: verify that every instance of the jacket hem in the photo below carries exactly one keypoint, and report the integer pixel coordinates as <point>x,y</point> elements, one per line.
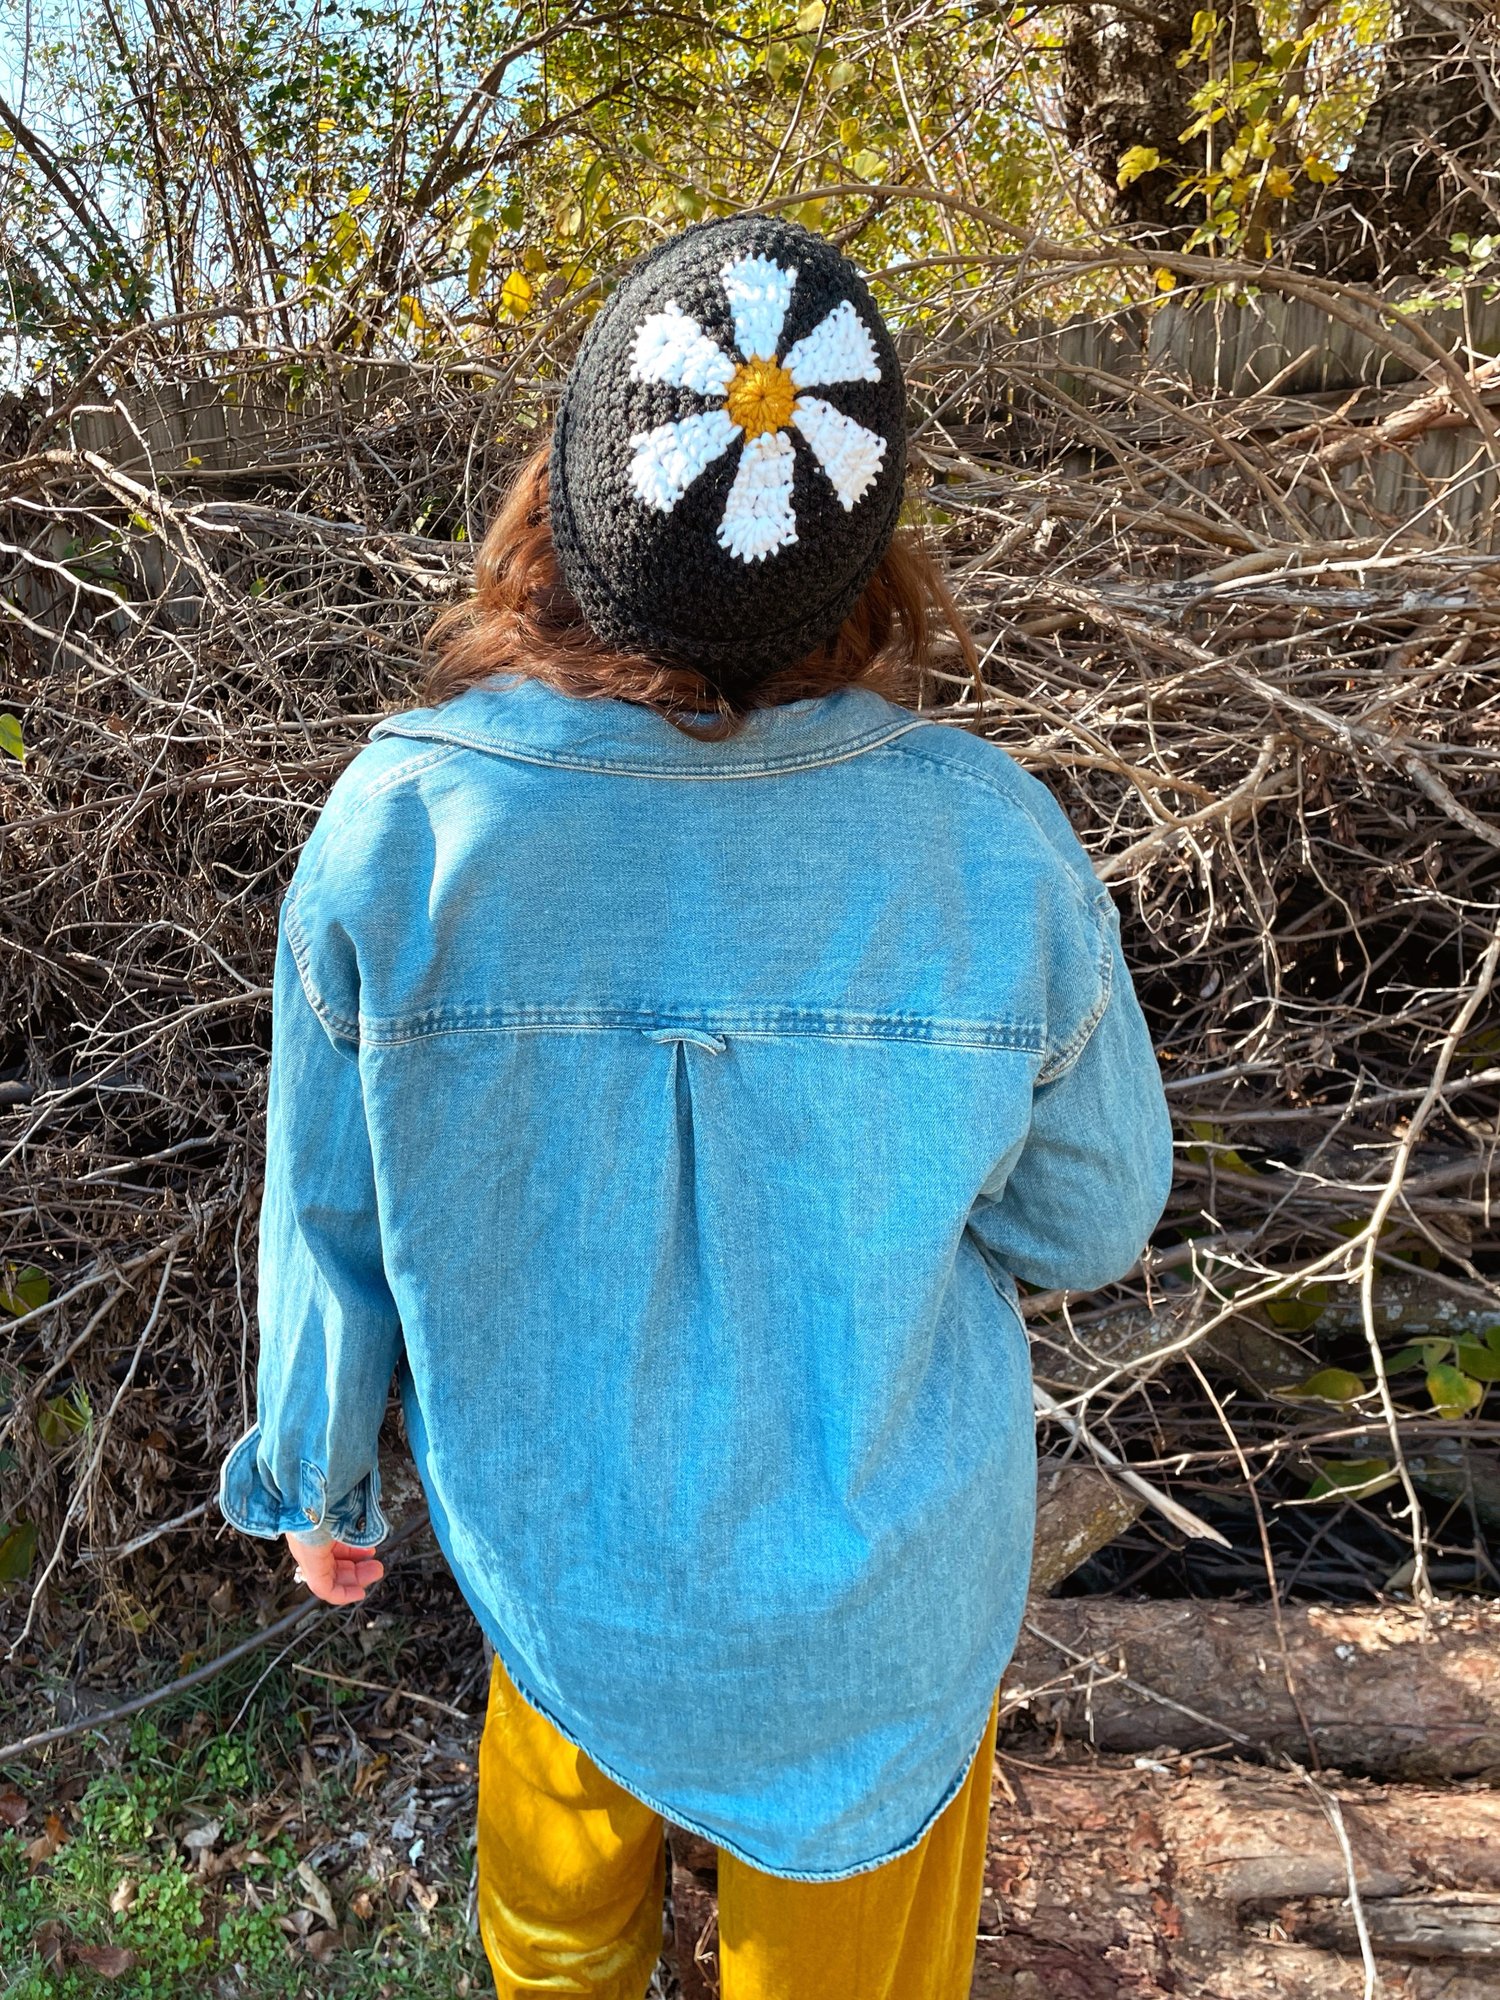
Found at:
<point>705,1832</point>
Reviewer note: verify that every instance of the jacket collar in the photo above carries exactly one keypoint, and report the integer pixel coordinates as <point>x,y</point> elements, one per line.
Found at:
<point>526,719</point>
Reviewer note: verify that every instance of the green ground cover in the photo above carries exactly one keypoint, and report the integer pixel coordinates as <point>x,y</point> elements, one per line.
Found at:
<point>276,1833</point>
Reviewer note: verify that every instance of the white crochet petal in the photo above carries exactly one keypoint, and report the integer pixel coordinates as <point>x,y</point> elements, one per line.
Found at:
<point>839,349</point>
<point>847,452</point>
<point>759,293</point>
<point>758,515</point>
<point>668,459</point>
<point>670,346</point>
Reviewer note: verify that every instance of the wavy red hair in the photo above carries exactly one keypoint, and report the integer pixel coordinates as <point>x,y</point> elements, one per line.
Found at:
<point>520,619</point>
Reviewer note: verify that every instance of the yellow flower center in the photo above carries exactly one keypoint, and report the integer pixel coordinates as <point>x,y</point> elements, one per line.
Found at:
<point>761,396</point>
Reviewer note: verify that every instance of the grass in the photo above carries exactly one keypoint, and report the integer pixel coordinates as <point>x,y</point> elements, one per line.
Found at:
<point>260,1842</point>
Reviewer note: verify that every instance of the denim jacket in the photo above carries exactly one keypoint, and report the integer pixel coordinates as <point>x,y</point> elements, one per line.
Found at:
<point>672,1120</point>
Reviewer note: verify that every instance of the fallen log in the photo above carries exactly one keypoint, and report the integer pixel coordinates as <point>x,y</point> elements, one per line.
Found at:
<point>1380,1691</point>
<point>1079,1510</point>
<point>1113,1879</point>
<point>1108,1880</point>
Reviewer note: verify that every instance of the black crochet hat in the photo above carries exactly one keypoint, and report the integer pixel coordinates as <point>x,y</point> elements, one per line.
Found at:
<point>729,457</point>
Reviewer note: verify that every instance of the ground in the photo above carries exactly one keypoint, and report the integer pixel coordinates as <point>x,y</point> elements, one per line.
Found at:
<point>280,1830</point>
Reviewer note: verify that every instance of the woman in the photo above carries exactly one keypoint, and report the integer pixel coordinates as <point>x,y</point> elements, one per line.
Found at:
<point>680,1049</point>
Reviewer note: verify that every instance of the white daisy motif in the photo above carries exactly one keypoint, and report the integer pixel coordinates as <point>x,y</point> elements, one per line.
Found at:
<point>761,394</point>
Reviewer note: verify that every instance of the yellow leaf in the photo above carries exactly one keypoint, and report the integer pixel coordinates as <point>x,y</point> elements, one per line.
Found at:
<point>413,310</point>
<point>849,131</point>
<point>870,166</point>
<point>1320,171</point>
<point>516,294</point>
<point>1165,281</point>
<point>1135,161</point>
<point>811,18</point>
<point>1280,185</point>
<point>1330,1385</point>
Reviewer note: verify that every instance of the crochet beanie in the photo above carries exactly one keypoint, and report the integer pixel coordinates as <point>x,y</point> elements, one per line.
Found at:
<point>729,455</point>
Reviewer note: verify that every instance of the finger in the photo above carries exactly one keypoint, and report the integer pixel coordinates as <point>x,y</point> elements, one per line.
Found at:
<point>359,1572</point>
<point>343,1593</point>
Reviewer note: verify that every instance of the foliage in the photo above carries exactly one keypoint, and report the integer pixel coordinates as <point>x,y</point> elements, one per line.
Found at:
<point>1272,126</point>
<point>432,176</point>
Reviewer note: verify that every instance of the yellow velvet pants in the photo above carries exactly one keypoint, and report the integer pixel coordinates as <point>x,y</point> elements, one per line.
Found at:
<point>571,1878</point>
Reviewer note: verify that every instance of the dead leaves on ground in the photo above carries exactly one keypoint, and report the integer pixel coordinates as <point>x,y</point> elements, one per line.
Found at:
<point>58,1951</point>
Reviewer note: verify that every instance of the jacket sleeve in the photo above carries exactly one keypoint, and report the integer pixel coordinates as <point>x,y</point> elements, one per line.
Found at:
<point>1074,1205</point>
<point>330,1335</point>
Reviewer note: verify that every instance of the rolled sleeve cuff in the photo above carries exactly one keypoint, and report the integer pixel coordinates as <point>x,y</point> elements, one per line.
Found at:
<point>250,1501</point>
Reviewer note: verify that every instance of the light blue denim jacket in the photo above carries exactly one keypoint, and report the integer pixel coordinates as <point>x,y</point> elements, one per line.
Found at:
<point>672,1119</point>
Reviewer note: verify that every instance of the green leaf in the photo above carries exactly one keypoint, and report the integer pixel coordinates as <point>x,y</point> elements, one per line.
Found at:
<point>1452,1393</point>
<point>1492,1337</point>
<point>24,1290</point>
<point>1423,1354</point>
<point>1482,1363</point>
<point>17,1551</point>
<point>1330,1385</point>
<point>482,239</point>
<point>1297,1313</point>
<point>1351,1478</point>
<point>1212,1150</point>
<point>869,165</point>
<point>11,740</point>
<point>61,1418</point>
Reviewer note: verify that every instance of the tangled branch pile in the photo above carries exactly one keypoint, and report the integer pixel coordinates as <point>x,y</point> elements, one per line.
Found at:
<point>1276,731</point>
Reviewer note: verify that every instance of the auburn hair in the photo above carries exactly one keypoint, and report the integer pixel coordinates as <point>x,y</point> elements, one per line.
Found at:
<point>521,619</point>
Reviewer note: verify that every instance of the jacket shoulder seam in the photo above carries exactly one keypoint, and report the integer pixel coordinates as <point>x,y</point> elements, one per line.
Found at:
<point>1074,1047</point>
<point>1062,1059</point>
<point>338,1025</point>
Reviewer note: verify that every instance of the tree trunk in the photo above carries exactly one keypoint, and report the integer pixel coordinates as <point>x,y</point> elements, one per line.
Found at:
<point>1122,87</point>
<point>1425,157</point>
<point>1423,165</point>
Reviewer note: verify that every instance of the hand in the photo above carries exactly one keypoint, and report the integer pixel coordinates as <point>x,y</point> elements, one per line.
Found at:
<point>334,1571</point>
